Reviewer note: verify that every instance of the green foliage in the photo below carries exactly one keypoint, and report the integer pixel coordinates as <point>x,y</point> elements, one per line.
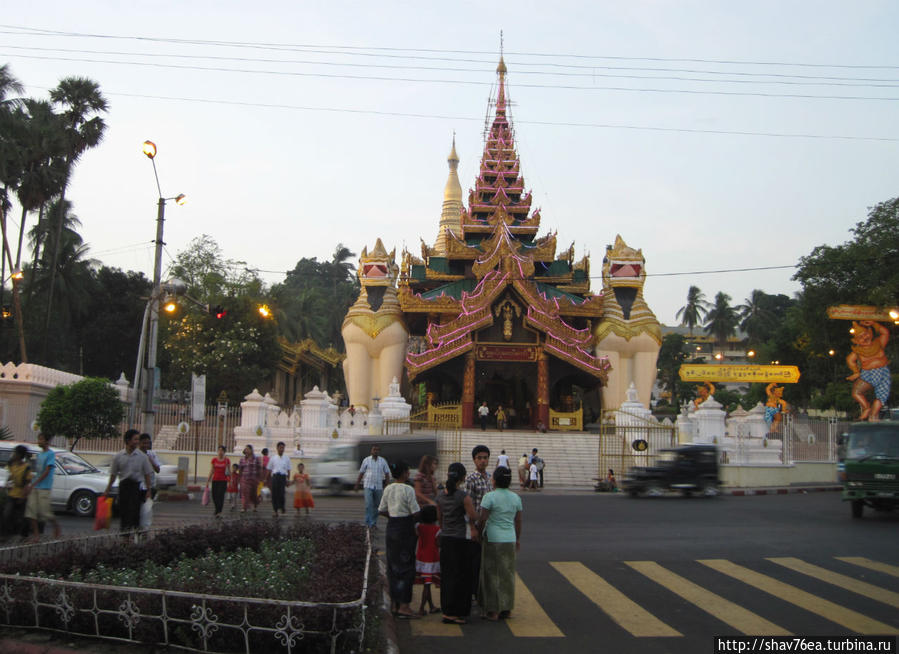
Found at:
<point>209,276</point>
<point>235,353</point>
<point>694,311</point>
<point>89,408</point>
<point>672,355</point>
<point>721,319</point>
<point>278,570</point>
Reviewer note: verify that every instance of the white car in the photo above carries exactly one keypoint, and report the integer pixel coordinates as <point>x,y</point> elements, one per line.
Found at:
<point>76,483</point>
<point>165,478</point>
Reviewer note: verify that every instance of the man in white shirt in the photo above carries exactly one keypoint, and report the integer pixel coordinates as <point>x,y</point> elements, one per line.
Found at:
<point>278,472</point>
<point>502,461</point>
<point>484,413</point>
<point>375,472</point>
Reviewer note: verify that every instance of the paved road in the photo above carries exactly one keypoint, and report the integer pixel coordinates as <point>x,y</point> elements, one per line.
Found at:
<point>606,573</point>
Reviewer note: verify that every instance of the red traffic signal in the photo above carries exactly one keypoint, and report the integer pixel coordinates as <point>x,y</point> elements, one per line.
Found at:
<point>219,311</point>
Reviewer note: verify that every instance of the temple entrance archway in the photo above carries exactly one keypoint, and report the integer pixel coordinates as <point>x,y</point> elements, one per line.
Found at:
<point>512,385</point>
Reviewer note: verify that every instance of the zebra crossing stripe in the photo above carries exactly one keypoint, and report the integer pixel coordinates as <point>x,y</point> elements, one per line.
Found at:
<point>843,581</point>
<point>877,566</point>
<point>848,618</point>
<point>736,616</point>
<point>627,613</point>
<point>431,624</point>
<point>529,620</point>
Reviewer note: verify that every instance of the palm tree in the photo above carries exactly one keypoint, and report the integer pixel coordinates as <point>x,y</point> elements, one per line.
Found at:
<point>41,150</point>
<point>694,311</point>
<point>755,317</point>
<point>721,319</point>
<point>10,173</point>
<point>81,101</point>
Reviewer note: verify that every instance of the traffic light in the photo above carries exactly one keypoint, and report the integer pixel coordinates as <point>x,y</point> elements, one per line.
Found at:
<point>219,311</point>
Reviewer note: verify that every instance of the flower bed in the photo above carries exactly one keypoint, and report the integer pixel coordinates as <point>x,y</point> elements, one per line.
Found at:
<point>242,586</point>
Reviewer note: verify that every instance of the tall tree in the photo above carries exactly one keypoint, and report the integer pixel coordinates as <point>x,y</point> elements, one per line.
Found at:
<point>81,103</point>
<point>694,311</point>
<point>42,152</point>
<point>721,319</point>
<point>10,175</point>
<point>756,318</point>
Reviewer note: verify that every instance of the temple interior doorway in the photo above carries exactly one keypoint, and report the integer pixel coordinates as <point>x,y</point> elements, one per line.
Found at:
<point>511,385</point>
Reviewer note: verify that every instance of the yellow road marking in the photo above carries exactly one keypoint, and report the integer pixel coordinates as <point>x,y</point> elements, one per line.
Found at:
<point>885,568</point>
<point>628,614</point>
<point>529,620</point>
<point>843,581</point>
<point>848,618</point>
<point>432,624</point>
<point>736,616</point>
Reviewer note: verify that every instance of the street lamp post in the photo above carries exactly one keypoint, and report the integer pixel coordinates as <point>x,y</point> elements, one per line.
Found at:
<point>149,412</point>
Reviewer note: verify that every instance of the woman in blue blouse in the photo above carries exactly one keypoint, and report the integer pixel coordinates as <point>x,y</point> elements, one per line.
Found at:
<point>500,521</point>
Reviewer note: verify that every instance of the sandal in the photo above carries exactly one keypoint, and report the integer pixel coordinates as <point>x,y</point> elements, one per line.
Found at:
<point>436,609</point>
<point>407,616</point>
<point>454,620</point>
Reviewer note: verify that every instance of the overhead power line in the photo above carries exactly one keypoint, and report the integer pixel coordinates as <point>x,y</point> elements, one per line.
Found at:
<point>20,29</point>
<point>581,71</point>
<point>418,80</point>
<point>545,123</point>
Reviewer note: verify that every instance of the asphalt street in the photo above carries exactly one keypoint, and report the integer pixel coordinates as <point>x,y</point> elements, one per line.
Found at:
<point>609,573</point>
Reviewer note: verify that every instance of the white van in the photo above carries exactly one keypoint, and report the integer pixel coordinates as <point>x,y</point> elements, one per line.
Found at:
<point>338,468</point>
<point>76,483</point>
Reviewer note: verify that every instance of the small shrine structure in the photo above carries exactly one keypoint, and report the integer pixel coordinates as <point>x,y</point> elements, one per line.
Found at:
<point>495,313</point>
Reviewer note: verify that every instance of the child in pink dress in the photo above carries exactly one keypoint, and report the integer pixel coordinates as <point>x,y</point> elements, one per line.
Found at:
<point>427,557</point>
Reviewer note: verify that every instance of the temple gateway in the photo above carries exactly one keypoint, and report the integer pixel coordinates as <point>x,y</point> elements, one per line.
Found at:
<point>494,313</point>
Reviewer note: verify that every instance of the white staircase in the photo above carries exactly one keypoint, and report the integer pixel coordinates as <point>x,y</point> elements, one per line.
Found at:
<point>571,458</point>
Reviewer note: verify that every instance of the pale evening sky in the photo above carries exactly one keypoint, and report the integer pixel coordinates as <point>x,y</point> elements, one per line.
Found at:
<point>713,135</point>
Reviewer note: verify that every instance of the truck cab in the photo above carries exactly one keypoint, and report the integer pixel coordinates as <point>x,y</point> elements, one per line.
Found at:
<point>869,466</point>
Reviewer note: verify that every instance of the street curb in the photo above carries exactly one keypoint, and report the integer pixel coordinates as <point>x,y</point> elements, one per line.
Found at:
<point>781,491</point>
<point>389,621</point>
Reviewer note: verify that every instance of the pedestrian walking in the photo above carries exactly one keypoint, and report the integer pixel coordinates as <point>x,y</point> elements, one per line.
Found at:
<point>477,485</point>
<point>302,495</point>
<point>251,471</point>
<point>425,484</point>
<point>131,466</point>
<point>398,504</point>
<point>500,418</point>
<point>533,477</point>
<point>484,413</point>
<point>145,443</point>
<point>220,476</point>
<point>502,461</point>
<point>523,471</point>
<point>278,472</point>
<point>454,505</point>
<point>233,486</point>
<point>373,474</point>
<point>427,557</point>
<point>500,520</point>
<point>37,506</point>
<point>19,474</point>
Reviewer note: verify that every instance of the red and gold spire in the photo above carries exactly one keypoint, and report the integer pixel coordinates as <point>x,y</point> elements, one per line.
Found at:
<point>499,194</point>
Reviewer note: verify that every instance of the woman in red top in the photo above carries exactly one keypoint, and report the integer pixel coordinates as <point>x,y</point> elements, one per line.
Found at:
<point>219,473</point>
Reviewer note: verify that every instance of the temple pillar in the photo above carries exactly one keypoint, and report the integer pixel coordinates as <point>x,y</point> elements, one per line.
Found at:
<point>468,381</point>
<point>543,388</point>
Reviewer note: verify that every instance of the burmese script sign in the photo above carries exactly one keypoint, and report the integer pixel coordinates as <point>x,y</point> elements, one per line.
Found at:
<point>701,372</point>
<point>858,312</point>
<point>506,352</point>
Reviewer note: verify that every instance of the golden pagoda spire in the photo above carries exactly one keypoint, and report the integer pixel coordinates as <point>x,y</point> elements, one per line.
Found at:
<point>452,202</point>
<point>501,94</point>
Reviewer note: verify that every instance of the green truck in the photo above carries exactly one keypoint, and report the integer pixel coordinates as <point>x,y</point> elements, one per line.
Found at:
<point>869,466</point>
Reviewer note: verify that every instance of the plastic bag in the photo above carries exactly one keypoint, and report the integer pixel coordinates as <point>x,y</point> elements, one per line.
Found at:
<point>103,513</point>
<point>206,496</point>
<point>146,514</point>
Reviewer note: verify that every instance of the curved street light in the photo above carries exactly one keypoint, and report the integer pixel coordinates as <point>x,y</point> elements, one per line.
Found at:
<point>152,313</point>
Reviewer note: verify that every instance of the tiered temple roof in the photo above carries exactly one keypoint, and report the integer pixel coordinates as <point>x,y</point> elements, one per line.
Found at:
<point>446,294</point>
